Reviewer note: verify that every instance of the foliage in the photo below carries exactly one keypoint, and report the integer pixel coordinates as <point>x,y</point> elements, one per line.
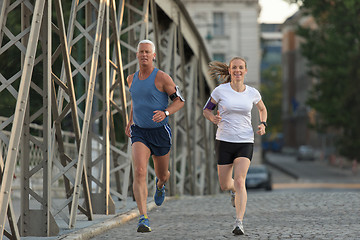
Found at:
<point>332,50</point>
<point>271,91</point>
<point>11,63</point>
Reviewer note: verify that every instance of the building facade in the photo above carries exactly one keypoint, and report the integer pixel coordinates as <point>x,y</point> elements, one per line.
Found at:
<point>229,28</point>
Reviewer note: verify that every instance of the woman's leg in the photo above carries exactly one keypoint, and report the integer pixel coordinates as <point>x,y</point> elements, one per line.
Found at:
<point>241,166</point>
<point>225,177</point>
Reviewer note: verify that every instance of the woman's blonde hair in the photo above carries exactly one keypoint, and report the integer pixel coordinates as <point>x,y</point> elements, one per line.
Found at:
<point>220,71</point>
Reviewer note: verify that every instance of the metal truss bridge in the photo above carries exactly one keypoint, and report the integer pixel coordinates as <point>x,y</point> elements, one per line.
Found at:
<point>63,69</point>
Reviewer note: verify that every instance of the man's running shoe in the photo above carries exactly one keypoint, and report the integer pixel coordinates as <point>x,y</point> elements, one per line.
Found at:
<point>238,228</point>
<point>144,224</point>
<point>159,195</point>
<point>232,198</point>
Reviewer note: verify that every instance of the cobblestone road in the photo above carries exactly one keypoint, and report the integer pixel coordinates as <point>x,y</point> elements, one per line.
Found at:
<point>269,215</point>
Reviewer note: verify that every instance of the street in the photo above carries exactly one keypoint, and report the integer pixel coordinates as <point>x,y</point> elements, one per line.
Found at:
<point>269,215</point>
<point>318,203</point>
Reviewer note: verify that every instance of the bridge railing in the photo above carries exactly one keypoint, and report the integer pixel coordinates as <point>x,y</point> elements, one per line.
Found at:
<point>36,154</point>
<point>64,69</point>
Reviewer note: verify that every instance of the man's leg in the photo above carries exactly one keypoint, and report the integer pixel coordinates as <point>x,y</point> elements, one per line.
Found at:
<point>140,156</point>
<point>161,166</point>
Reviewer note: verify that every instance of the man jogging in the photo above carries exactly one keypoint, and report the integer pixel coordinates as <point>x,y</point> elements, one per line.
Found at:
<point>148,126</point>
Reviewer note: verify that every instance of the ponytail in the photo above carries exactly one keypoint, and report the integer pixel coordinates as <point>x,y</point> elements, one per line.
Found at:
<point>220,71</point>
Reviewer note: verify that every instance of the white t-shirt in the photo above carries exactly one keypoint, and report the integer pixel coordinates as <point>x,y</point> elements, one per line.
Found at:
<point>235,111</point>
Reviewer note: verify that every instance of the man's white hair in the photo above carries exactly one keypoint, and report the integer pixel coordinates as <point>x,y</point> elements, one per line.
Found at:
<point>147,41</point>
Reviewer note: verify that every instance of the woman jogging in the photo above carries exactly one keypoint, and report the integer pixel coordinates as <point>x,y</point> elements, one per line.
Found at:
<point>235,135</point>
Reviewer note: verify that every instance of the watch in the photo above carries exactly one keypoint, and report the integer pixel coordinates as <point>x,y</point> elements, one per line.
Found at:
<point>265,124</point>
<point>166,113</point>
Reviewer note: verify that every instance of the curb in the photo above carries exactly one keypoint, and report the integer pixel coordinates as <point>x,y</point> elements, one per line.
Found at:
<point>282,169</point>
<point>97,229</point>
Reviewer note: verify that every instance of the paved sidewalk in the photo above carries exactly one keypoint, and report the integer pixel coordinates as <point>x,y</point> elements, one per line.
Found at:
<point>311,170</point>
<point>84,229</point>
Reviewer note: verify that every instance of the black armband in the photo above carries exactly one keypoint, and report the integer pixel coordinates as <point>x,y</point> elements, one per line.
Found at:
<point>176,94</point>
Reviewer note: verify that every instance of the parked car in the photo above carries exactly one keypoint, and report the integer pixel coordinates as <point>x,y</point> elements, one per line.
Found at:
<point>305,152</point>
<point>259,176</point>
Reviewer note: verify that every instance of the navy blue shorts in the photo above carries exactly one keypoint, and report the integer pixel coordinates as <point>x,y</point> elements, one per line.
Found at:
<point>226,152</point>
<point>158,140</point>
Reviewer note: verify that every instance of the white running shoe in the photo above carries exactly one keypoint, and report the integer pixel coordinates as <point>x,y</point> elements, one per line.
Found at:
<point>238,228</point>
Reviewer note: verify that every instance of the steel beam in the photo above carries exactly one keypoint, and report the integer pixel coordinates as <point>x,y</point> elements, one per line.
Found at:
<point>95,114</point>
<point>19,113</point>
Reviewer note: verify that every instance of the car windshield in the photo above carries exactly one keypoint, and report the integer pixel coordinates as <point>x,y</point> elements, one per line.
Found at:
<point>256,170</point>
<point>305,148</point>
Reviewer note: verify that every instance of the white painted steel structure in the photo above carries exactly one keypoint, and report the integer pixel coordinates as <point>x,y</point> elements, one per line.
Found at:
<point>66,68</point>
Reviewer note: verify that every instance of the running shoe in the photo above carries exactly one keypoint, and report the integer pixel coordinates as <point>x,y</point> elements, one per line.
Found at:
<point>232,198</point>
<point>159,195</point>
<point>144,224</point>
<point>238,228</point>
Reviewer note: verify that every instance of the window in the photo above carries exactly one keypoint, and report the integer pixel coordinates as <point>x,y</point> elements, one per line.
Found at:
<point>219,57</point>
<point>218,23</point>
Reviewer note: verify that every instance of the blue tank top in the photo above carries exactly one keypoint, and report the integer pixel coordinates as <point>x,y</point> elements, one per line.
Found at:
<point>146,98</point>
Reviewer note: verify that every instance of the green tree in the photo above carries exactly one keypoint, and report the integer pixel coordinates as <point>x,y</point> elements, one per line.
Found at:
<point>333,53</point>
<point>271,91</point>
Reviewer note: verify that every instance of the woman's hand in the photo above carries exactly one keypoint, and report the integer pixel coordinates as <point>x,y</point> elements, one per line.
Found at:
<point>261,130</point>
<point>216,118</point>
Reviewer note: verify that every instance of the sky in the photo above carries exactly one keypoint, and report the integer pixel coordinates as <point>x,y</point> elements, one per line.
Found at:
<point>275,11</point>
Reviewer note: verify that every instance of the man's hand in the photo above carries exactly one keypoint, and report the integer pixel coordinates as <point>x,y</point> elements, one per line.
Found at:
<point>158,116</point>
<point>127,129</point>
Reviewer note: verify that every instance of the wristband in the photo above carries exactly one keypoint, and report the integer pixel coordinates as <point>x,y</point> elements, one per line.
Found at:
<point>265,124</point>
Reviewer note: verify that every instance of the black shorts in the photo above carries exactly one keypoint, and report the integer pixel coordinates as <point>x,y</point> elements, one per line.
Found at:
<point>226,152</point>
<point>158,140</point>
